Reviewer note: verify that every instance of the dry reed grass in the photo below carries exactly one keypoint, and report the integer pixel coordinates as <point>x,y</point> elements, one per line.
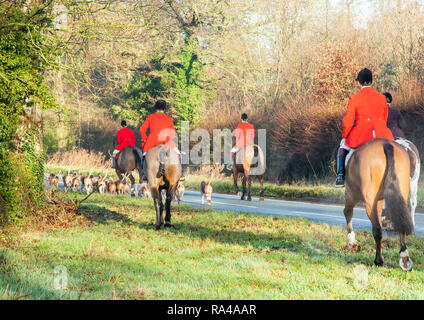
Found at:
<point>78,158</point>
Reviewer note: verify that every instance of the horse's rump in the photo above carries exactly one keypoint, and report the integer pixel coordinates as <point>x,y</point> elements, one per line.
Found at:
<point>380,169</point>
<point>170,159</point>
<point>252,157</point>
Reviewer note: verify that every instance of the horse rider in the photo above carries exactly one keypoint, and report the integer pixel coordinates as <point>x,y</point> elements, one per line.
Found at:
<point>162,131</point>
<point>125,137</point>
<point>244,134</point>
<point>369,109</point>
<point>395,121</point>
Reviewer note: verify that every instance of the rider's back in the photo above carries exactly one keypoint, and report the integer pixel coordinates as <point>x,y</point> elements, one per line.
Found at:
<point>245,134</point>
<point>161,129</point>
<point>369,108</point>
<point>125,137</point>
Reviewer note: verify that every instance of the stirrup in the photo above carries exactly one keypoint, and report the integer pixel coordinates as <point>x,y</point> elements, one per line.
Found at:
<point>339,181</point>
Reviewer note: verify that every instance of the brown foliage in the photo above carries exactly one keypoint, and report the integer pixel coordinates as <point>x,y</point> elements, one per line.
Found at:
<point>335,77</point>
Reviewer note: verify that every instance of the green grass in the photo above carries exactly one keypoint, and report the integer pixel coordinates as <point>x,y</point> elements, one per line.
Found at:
<point>208,255</point>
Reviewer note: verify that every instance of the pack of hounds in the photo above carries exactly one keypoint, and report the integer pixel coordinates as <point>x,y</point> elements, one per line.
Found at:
<point>81,183</point>
<point>73,181</point>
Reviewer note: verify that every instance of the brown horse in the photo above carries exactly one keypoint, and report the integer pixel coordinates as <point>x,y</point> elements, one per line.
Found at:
<point>379,171</point>
<point>128,160</point>
<point>249,160</point>
<point>168,181</point>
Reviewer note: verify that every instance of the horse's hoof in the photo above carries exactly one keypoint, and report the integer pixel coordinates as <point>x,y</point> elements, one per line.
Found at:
<point>378,263</point>
<point>261,199</point>
<point>157,227</point>
<point>167,225</point>
<point>405,263</point>
<point>249,199</point>
<point>355,247</point>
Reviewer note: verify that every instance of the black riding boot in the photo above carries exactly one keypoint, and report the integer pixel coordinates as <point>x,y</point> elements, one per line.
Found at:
<point>143,168</point>
<point>230,165</point>
<point>113,162</point>
<point>341,157</point>
<point>162,154</point>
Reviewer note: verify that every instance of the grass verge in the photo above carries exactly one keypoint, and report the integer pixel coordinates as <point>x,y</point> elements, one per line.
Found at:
<point>208,255</point>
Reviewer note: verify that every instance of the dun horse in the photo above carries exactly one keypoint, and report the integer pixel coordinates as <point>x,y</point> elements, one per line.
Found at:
<point>158,182</point>
<point>378,171</point>
<point>249,160</point>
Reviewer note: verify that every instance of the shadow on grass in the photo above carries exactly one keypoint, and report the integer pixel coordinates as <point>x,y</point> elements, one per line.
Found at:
<point>313,249</point>
<point>19,287</point>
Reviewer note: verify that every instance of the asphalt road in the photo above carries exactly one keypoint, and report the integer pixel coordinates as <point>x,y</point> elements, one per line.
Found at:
<point>330,214</point>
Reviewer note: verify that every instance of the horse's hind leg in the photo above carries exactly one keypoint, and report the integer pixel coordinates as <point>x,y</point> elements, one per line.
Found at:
<point>235,176</point>
<point>169,196</point>
<point>157,199</point>
<point>132,180</point>
<point>348,212</point>
<point>119,174</point>
<point>249,195</point>
<point>377,230</point>
<point>405,261</point>
<point>261,193</point>
<point>243,195</point>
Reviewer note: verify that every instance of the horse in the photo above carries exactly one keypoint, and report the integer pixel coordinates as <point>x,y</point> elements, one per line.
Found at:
<point>167,181</point>
<point>128,160</point>
<point>249,160</point>
<point>379,171</point>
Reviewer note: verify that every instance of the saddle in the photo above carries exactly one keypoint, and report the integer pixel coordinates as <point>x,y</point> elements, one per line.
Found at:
<point>403,142</point>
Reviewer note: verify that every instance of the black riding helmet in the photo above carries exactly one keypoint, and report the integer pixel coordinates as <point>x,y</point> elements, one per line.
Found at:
<point>160,105</point>
<point>123,123</point>
<point>364,77</point>
<point>388,97</point>
<point>244,117</point>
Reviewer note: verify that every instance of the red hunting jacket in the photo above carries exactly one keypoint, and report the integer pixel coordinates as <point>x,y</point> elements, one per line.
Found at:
<point>369,108</point>
<point>161,131</point>
<point>125,138</point>
<point>245,133</point>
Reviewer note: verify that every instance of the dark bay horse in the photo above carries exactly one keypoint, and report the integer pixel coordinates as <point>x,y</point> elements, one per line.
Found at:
<point>378,171</point>
<point>129,159</point>
<point>248,161</point>
<point>158,182</point>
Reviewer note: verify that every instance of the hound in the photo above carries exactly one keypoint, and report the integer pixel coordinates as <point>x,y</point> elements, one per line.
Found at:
<point>142,190</point>
<point>111,185</point>
<point>206,189</point>
<point>179,194</point>
<point>53,180</point>
<point>122,185</point>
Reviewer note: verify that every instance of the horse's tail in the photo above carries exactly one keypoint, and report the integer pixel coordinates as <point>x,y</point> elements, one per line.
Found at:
<point>163,152</point>
<point>255,150</point>
<point>395,204</point>
<point>137,158</point>
<point>255,156</point>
